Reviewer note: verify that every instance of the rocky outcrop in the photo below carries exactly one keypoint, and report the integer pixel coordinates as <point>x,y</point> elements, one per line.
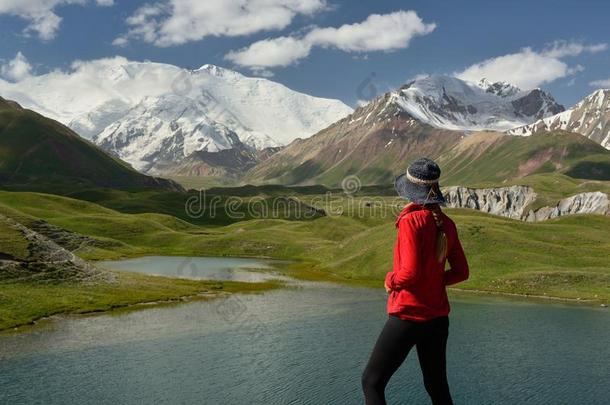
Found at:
<point>505,201</point>
<point>583,203</point>
<point>513,202</point>
<point>47,261</point>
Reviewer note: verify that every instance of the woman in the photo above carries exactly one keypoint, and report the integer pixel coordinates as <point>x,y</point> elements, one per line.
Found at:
<point>417,302</point>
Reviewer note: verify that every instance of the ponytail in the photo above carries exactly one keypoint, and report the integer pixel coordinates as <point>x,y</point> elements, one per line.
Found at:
<point>441,237</point>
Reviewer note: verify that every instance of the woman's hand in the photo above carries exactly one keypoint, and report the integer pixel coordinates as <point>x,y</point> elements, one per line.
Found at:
<point>387,287</point>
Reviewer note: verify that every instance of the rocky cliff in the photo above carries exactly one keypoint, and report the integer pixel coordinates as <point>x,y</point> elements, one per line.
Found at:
<point>513,202</point>
<point>583,203</point>
<point>505,201</point>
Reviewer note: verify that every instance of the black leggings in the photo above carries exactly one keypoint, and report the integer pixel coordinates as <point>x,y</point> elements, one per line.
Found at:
<point>394,343</point>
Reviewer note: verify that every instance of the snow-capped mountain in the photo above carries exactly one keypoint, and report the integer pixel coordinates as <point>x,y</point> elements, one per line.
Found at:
<point>427,117</point>
<point>163,130</point>
<point>590,117</point>
<point>164,109</point>
<point>450,103</point>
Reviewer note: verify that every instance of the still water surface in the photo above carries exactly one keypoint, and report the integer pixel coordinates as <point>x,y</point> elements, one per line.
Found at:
<point>303,346</point>
<point>209,268</point>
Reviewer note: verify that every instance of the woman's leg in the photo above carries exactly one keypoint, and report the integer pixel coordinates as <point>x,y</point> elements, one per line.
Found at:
<point>393,344</point>
<point>431,349</point>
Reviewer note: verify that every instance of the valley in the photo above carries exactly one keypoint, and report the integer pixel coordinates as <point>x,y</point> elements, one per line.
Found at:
<point>563,257</point>
<point>315,192</point>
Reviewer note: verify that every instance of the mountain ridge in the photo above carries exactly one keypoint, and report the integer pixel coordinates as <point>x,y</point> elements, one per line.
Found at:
<point>378,140</point>
<point>98,94</point>
<point>589,117</point>
<point>451,103</point>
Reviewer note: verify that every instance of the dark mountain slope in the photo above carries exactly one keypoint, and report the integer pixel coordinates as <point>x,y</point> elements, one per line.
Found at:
<point>37,153</point>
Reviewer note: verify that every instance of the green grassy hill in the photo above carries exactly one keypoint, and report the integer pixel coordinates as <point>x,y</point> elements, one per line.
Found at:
<point>494,158</point>
<point>37,153</point>
<point>565,257</point>
<point>36,281</point>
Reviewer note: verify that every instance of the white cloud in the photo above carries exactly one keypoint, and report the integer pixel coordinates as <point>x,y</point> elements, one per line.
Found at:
<point>175,22</point>
<point>16,69</point>
<point>387,32</point>
<point>604,83</point>
<point>528,68</point>
<point>560,49</point>
<point>281,51</point>
<point>40,14</point>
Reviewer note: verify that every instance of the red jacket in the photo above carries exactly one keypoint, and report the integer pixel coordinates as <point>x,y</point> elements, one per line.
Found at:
<point>418,280</point>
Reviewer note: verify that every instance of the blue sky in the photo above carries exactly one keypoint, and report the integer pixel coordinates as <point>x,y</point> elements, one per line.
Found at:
<point>324,48</point>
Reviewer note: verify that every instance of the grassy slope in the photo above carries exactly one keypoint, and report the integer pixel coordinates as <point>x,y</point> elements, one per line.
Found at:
<point>494,158</point>
<point>374,153</point>
<point>378,155</point>
<point>12,244</point>
<point>173,203</point>
<point>37,153</point>
<point>566,257</point>
<point>199,182</point>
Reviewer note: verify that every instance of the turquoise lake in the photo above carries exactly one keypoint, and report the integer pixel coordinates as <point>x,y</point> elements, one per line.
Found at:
<point>303,345</point>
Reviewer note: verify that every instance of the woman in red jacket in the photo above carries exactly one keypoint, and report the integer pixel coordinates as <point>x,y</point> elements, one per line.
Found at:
<point>417,302</point>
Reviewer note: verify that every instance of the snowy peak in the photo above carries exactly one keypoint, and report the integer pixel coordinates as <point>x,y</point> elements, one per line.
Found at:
<point>93,94</point>
<point>502,89</point>
<point>450,103</point>
<point>590,117</point>
<point>143,111</point>
<point>162,130</point>
<point>598,98</point>
<point>218,71</point>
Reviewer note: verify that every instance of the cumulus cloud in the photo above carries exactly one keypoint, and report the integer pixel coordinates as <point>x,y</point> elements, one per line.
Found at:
<point>561,49</point>
<point>175,22</point>
<point>603,83</point>
<point>40,14</point>
<point>387,32</point>
<point>281,51</point>
<point>528,68</point>
<point>16,69</point>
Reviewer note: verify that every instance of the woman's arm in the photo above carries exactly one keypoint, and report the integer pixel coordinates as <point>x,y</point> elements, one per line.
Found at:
<point>459,265</point>
<point>407,257</point>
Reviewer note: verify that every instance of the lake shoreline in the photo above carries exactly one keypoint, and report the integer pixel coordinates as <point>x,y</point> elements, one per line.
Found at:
<point>116,309</point>
<point>473,291</point>
<point>286,266</point>
<point>170,294</point>
<point>132,291</point>
<point>317,275</point>
<point>206,295</point>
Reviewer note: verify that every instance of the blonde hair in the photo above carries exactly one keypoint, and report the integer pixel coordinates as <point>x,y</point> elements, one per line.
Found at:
<point>441,236</point>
